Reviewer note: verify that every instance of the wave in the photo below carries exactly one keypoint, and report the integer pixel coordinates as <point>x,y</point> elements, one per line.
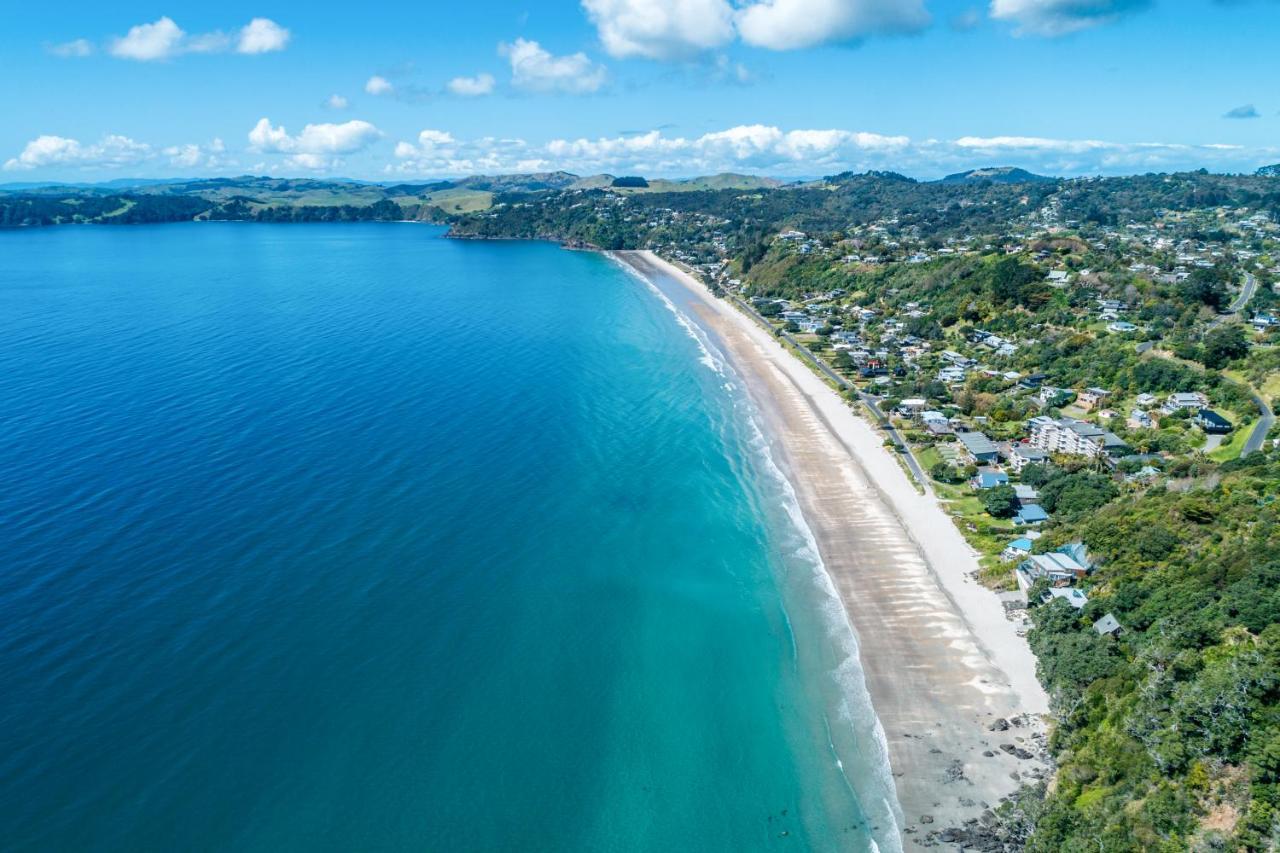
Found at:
<point>855,709</point>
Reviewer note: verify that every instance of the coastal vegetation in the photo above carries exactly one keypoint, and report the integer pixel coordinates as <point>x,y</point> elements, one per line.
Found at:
<point>1134,319</point>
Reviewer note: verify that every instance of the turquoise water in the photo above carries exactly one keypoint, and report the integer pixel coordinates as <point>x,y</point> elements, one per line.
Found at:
<point>356,538</point>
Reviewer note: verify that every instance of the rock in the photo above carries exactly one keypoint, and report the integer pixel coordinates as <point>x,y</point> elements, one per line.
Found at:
<point>926,818</point>
<point>1000,725</point>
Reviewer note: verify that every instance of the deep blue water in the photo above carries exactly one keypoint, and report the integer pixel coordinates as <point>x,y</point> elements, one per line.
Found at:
<point>356,538</point>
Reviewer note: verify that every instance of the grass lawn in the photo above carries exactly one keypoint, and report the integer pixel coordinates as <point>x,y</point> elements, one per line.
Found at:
<point>1231,448</point>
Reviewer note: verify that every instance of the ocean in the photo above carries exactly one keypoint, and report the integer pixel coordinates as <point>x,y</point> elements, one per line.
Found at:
<point>353,537</point>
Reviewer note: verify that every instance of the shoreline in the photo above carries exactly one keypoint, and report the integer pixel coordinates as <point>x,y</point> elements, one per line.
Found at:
<point>941,662</point>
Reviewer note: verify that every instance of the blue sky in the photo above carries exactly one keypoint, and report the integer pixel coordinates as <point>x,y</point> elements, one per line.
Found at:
<point>393,91</point>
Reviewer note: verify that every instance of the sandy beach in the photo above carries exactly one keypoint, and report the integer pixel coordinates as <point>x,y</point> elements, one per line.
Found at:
<point>942,661</point>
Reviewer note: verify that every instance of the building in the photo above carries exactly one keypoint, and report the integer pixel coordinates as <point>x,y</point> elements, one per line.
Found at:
<point>1026,495</point>
<point>1108,626</point>
<point>1139,419</point>
<point>1070,595</point>
<point>978,448</point>
<point>1021,455</point>
<point>1016,549</point>
<point>1184,400</point>
<point>1031,514</point>
<point>1073,438</point>
<point>1089,398</point>
<point>989,478</point>
<point>1212,422</point>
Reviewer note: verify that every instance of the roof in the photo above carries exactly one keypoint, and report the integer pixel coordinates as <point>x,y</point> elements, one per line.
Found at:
<point>1106,625</point>
<point>1212,417</point>
<point>1021,544</point>
<point>990,479</point>
<point>976,443</point>
<point>1032,512</point>
<point>1070,595</point>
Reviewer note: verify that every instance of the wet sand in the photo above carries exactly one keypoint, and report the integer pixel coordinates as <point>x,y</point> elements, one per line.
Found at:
<point>942,662</point>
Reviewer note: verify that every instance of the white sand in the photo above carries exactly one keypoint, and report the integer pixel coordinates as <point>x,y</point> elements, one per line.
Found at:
<point>941,659</point>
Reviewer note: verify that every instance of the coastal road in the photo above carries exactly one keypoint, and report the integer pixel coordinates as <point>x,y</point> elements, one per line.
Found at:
<point>1254,443</point>
<point>904,450</point>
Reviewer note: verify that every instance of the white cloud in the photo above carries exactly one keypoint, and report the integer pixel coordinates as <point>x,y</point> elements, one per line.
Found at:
<point>110,152</point>
<point>147,42</point>
<point>661,29</point>
<point>535,69</point>
<point>471,87</point>
<point>376,85</point>
<point>792,24</point>
<point>766,149</point>
<point>336,102</point>
<point>262,35</point>
<point>198,156</point>
<point>75,48</point>
<point>164,39</point>
<point>680,29</point>
<point>1060,17</point>
<point>316,141</point>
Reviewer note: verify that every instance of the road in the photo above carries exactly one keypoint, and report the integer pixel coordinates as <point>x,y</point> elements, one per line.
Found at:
<point>1260,430</point>
<point>904,450</point>
<point>1233,310</point>
<point>1246,293</point>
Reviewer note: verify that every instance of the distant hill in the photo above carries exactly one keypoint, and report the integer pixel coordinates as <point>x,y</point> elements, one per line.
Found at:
<point>996,175</point>
<point>1269,171</point>
<point>722,181</point>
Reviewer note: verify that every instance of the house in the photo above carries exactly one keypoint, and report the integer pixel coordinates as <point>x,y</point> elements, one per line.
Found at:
<point>1020,455</point>
<point>1032,382</point>
<point>912,406</point>
<point>1184,400</point>
<point>1107,626</point>
<point>1089,398</point>
<point>1073,437</point>
<point>1058,278</point>
<point>1031,514</point>
<point>1016,549</point>
<point>1264,321</point>
<point>1025,494</point>
<point>1139,419</point>
<point>936,423</point>
<point>1058,568</point>
<point>1070,595</point>
<point>1212,422</point>
<point>989,478</point>
<point>1146,401</point>
<point>977,447</point>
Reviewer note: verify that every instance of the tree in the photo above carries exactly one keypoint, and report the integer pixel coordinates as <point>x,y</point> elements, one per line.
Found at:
<point>1223,345</point>
<point>1000,501</point>
<point>1206,286</point>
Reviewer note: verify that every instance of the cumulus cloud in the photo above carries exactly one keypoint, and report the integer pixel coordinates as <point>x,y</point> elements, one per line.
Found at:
<point>792,24</point>
<point>535,69</point>
<point>336,102</point>
<point>110,152</point>
<point>1061,17</point>
<point>766,149</point>
<point>262,35</point>
<point>317,147</point>
<point>147,42</point>
<point>198,156</point>
<point>376,85</point>
<point>661,29</point>
<point>471,87</point>
<point>1245,111</point>
<point>679,29</point>
<point>70,49</point>
<point>164,39</point>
